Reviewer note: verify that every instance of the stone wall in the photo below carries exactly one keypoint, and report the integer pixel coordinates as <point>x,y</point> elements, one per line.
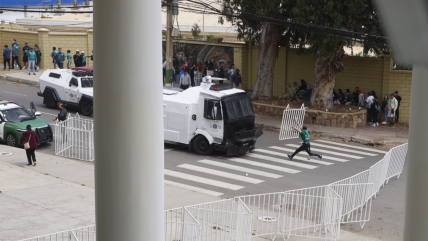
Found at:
<point>343,120</point>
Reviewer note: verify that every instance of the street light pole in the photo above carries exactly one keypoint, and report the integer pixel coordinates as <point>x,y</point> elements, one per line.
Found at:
<point>169,45</point>
<point>128,121</point>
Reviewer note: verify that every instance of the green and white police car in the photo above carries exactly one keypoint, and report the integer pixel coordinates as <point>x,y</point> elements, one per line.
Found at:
<point>14,119</point>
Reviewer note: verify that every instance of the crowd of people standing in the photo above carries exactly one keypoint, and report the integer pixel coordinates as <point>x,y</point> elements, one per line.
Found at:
<point>32,57</point>
<point>390,105</point>
<point>191,75</point>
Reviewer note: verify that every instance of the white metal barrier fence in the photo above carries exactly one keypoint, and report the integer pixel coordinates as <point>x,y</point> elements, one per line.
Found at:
<point>288,118</point>
<point>74,138</point>
<point>315,212</point>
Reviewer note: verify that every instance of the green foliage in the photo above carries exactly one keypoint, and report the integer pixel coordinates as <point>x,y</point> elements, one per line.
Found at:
<point>292,94</point>
<point>249,29</point>
<point>180,36</point>
<point>196,31</point>
<point>210,38</point>
<point>352,15</point>
<point>163,32</point>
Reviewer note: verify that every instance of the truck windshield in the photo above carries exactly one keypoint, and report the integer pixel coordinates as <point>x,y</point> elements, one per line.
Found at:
<point>87,82</point>
<point>237,106</point>
<point>18,115</point>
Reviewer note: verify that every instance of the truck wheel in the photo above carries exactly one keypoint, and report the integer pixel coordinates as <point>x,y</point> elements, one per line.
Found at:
<point>11,140</point>
<point>202,146</point>
<point>49,101</point>
<point>85,108</point>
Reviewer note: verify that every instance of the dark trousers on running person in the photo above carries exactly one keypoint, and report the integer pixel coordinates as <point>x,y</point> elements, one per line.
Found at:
<point>16,58</point>
<point>8,63</point>
<point>31,154</point>
<point>307,148</point>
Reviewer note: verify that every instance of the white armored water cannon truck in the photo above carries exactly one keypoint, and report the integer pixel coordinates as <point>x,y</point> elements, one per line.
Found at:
<point>210,117</point>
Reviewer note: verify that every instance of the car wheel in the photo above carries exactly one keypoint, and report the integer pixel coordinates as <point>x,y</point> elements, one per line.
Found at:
<point>11,140</point>
<point>202,146</point>
<point>85,108</point>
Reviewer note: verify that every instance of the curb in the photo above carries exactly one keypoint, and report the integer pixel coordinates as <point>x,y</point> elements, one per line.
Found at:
<point>368,142</point>
<point>14,79</point>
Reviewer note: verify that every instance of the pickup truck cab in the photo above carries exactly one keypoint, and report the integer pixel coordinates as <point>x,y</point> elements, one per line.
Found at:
<point>210,117</point>
<point>73,87</point>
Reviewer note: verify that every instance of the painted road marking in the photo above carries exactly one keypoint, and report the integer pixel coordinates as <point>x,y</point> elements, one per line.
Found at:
<point>329,152</point>
<point>273,159</point>
<point>264,165</point>
<point>192,188</point>
<point>343,149</point>
<point>239,168</point>
<point>210,171</point>
<point>304,153</point>
<point>295,157</point>
<point>13,93</point>
<point>358,147</point>
<point>202,180</point>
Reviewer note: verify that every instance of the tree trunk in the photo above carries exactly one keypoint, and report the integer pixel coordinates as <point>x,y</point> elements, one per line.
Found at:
<point>268,52</point>
<point>326,69</point>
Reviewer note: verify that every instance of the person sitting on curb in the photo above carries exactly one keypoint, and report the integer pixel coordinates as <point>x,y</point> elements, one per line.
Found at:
<point>306,145</point>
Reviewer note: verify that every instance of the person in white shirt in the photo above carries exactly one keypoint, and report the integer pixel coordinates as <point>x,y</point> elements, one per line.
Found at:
<point>392,107</point>
<point>231,72</point>
<point>369,102</point>
<point>360,98</point>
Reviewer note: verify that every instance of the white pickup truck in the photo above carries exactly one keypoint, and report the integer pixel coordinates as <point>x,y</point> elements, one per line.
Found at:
<point>210,117</point>
<point>73,87</point>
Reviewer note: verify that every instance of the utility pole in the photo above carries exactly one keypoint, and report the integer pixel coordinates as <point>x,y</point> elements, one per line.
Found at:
<point>87,3</point>
<point>168,43</point>
<point>59,4</point>
<point>129,178</point>
<point>75,3</point>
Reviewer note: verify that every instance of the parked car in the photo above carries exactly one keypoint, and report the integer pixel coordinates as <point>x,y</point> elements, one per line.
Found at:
<point>14,119</point>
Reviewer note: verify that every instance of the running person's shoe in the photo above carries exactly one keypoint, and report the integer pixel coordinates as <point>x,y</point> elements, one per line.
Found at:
<point>289,156</point>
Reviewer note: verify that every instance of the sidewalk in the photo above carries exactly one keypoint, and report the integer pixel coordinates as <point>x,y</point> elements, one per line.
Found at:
<point>56,195</point>
<point>382,135</point>
<point>21,76</point>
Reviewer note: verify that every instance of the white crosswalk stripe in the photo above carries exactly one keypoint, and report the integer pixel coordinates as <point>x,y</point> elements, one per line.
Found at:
<point>202,180</point>
<point>328,152</point>
<point>342,149</point>
<point>350,146</point>
<point>290,151</point>
<point>296,157</point>
<point>282,161</point>
<point>239,168</point>
<point>264,165</point>
<point>221,173</point>
<point>192,188</point>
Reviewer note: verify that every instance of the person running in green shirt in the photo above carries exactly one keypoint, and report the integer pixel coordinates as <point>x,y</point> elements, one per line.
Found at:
<point>32,57</point>
<point>306,145</point>
<point>68,55</point>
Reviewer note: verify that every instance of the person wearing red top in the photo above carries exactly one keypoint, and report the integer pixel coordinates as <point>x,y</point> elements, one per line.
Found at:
<point>33,139</point>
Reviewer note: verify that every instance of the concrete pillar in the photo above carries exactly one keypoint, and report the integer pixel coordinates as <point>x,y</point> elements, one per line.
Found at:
<point>128,111</point>
<point>43,42</point>
<point>416,215</point>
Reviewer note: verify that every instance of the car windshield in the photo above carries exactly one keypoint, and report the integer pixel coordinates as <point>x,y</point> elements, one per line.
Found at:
<point>237,106</point>
<point>87,82</point>
<point>18,115</point>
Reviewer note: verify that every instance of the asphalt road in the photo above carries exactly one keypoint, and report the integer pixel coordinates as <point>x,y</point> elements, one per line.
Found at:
<point>265,170</point>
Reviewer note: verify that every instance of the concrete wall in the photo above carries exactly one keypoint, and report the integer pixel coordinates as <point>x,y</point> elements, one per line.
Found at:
<point>369,74</point>
<point>45,39</point>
